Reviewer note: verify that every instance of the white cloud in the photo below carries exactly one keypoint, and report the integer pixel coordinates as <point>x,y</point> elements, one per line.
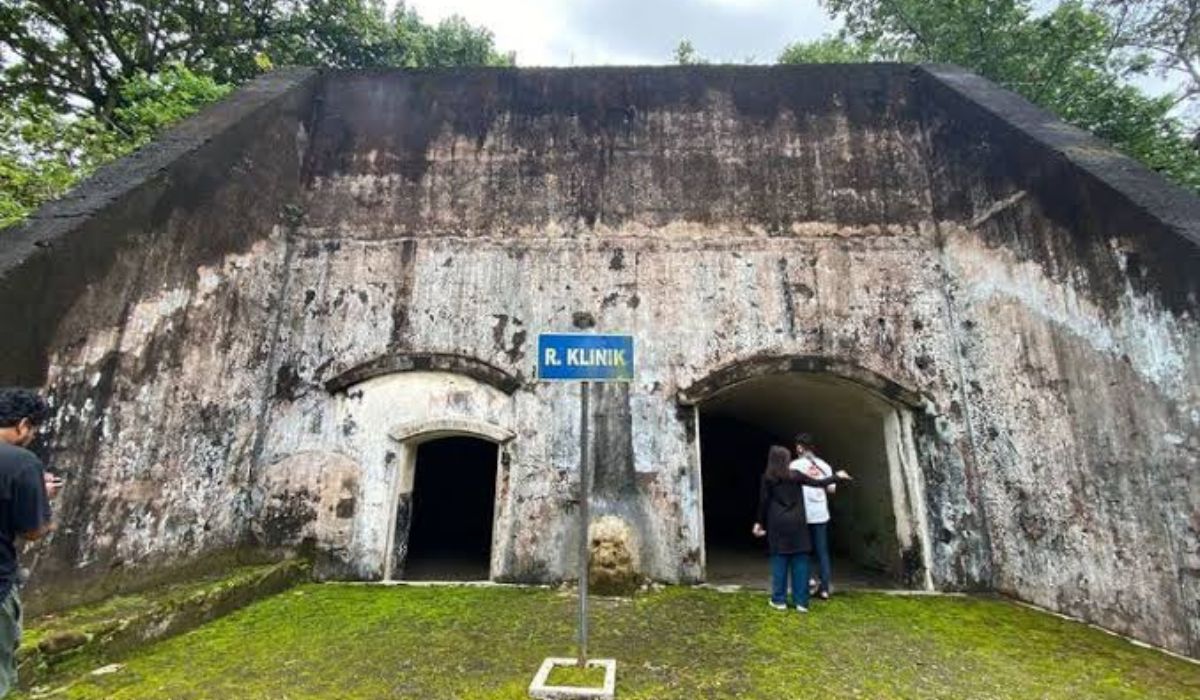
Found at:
<point>591,32</point>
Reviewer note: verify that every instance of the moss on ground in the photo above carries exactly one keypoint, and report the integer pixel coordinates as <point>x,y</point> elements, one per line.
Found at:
<point>348,641</point>
<point>574,676</point>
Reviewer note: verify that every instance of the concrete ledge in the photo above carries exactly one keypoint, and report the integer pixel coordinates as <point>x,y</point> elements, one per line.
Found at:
<point>444,584</point>
<point>434,428</point>
<point>91,634</point>
<point>538,688</point>
<point>747,368</point>
<point>1145,190</point>
<point>466,365</point>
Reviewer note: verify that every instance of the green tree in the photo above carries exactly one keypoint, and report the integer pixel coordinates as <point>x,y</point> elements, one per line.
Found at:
<point>1167,32</point>
<point>1069,60</point>
<point>686,55</point>
<point>87,81</point>
<point>62,52</point>
<point>44,152</point>
<point>831,49</point>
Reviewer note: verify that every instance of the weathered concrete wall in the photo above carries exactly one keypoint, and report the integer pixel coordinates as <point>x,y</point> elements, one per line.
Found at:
<point>463,214</point>
<point>145,304</point>
<point>359,429</point>
<point>1074,282</point>
<point>1026,302</point>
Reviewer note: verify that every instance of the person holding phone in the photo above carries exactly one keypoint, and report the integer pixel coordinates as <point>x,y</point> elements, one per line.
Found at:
<point>25,492</point>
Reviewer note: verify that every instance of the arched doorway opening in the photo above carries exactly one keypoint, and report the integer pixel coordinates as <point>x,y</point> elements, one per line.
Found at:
<point>452,507</point>
<point>877,532</point>
<point>444,500</point>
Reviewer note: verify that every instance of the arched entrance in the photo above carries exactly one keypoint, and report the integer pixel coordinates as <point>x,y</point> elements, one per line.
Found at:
<point>453,499</point>
<point>387,409</point>
<point>444,500</point>
<point>877,532</point>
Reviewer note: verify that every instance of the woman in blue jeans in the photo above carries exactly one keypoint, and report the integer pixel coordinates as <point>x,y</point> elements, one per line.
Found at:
<point>781,509</point>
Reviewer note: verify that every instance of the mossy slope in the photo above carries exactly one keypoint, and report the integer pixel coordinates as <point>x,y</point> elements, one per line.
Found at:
<point>347,641</point>
<point>57,644</point>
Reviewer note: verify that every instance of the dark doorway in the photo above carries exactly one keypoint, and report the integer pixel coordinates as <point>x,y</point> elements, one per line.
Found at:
<point>734,454</point>
<point>453,502</point>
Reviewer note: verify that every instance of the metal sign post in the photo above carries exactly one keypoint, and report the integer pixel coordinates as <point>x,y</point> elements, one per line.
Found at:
<point>586,358</point>
<point>585,477</point>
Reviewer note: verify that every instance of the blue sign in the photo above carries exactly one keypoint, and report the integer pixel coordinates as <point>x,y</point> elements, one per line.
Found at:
<point>583,357</point>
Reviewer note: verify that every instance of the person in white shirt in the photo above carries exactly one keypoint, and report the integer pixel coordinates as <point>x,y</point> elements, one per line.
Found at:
<point>816,506</point>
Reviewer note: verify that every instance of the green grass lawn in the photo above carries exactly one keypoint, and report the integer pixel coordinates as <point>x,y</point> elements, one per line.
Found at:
<point>348,641</point>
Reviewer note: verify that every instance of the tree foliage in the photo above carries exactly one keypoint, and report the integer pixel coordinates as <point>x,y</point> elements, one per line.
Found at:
<point>685,54</point>
<point>59,52</point>
<point>86,81</point>
<point>831,49</point>
<point>1168,34</point>
<point>44,152</point>
<point>1071,60</point>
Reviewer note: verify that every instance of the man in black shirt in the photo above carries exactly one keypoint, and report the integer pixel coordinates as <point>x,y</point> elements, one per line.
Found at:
<point>25,492</point>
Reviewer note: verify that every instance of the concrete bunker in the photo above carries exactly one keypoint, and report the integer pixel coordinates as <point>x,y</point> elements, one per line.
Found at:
<point>398,238</point>
<point>878,533</point>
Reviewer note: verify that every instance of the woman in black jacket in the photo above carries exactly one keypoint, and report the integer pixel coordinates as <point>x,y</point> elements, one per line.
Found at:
<point>781,508</point>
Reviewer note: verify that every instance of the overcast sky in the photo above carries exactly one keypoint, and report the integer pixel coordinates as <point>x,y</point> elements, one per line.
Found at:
<point>591,32</point>
<point>639,32</point>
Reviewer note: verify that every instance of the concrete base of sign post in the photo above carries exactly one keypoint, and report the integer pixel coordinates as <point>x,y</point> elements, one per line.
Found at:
<point>539,690</point>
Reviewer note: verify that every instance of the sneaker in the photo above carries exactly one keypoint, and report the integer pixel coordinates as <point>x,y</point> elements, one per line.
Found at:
<point>801,609</point>
<point>778,606</point>
<point>823,595</point>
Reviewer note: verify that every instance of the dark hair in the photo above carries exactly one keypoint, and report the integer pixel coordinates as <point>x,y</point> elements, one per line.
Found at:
<point>17,404</point>
<point>805,439</point>
<point>778,459</point>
